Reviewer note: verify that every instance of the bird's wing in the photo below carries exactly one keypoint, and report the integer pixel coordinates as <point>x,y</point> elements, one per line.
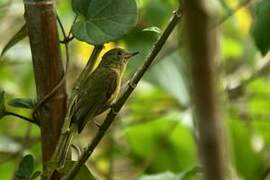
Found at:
<point>94,97</point>
<point>112,83</point>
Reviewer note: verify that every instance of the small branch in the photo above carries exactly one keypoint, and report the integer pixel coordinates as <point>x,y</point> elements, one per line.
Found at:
<point>22,117</point>
<point>118,105</point>
<point>74,21</point>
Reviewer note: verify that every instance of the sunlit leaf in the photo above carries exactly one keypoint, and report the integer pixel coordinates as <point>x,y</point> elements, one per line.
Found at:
<point>20,35</point>
<point>153,29</point>
<point>102,21</point>
<point>249,164</point>
<point>167,74</point>
<point>158,141</point>
<point>260,28</point>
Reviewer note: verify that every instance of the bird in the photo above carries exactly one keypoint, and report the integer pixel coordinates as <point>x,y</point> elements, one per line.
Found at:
<point>99,91</point>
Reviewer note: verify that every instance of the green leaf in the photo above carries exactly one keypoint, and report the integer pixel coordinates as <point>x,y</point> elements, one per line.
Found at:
<point>2,104</point>
<point>22,103</point>
<point>102,21</point>
<point>170,67</point>
<point>158,135</point>
<point>35,175</point>
<point>260,27</point>
<point>248,163</point>
<point>21,34</point>
<point>153,29</point>
<point>26,167</point>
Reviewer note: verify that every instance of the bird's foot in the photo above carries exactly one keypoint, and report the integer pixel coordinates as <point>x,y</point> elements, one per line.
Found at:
<point>132,85</point>
<point>97,124</point>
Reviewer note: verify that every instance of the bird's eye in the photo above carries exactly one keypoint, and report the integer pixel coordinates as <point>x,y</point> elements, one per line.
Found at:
<point>119,53</point>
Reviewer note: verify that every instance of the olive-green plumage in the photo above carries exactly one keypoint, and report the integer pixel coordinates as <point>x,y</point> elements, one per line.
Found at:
<point>97,94</point>
<point>101,88</point>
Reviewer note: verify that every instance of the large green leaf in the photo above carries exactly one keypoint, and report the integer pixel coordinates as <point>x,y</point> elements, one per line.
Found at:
<point>261,26</point>
<point>167,74</point>
<point>102,21</point>
<point>166,143</point>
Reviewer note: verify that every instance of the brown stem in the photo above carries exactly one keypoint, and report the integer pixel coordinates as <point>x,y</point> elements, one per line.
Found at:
<point>48,69</point>
<point>204,91</point>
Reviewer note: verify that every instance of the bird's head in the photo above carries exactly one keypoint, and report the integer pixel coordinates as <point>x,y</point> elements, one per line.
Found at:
<point>116,56</point>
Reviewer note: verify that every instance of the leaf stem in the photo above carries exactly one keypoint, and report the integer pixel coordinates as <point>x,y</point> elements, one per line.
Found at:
<point>21,117</point>
<point>118,105</point>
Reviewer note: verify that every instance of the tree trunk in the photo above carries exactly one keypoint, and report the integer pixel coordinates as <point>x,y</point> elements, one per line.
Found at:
<point>202,41</point>
<point>48,69</point>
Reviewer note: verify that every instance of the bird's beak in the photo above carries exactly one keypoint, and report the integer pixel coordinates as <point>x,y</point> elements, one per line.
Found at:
<point>129,55</point>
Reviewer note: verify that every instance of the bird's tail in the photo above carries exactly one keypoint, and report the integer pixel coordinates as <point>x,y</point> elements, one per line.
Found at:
<point>62,148</point>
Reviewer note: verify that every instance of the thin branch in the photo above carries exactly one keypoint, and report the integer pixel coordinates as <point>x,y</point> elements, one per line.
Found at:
<point>118,105</point>
<point>22,117</point>
<point>74,21</point>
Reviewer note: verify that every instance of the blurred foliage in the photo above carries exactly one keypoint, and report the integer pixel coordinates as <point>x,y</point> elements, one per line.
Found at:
<point>261,26</point>
<point>154,138</point>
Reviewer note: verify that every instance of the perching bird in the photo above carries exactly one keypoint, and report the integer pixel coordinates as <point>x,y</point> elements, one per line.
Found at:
<point>97,94</point>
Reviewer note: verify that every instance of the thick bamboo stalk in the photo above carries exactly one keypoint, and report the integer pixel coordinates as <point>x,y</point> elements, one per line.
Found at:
<point>48,69</point>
